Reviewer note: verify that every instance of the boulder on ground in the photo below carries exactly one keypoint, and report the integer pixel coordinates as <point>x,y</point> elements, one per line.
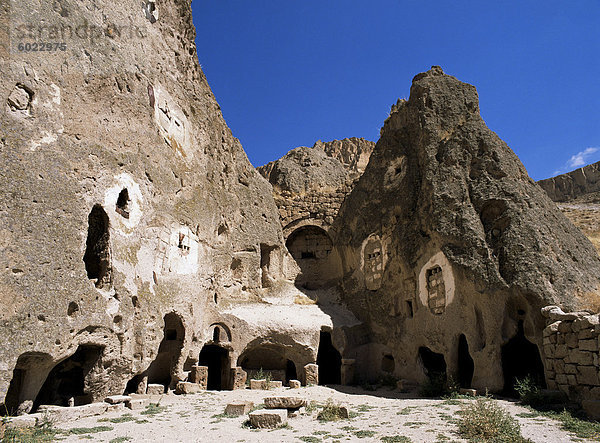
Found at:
<point>284,402</point>
<point>268,418</point>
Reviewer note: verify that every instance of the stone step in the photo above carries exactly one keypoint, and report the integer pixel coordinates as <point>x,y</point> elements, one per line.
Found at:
<point>268,418</point>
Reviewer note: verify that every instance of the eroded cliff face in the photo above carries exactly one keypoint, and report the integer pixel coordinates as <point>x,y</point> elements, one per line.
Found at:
<point>569,186</point>
<point>449,249</point>
<point>130,217</point>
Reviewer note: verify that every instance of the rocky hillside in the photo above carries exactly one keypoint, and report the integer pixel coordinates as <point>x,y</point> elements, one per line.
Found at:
<point>580,182</point>
<point>446,235</point>
<point>126,201</point>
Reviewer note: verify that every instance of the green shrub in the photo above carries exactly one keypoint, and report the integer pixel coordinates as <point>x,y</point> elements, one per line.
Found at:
<point>483,420</point>
<point>531,394</point>
<point>331,412</point>
<point>435,386</point>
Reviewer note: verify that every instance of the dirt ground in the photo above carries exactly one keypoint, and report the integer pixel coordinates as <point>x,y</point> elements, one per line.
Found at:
<point>374,415</point>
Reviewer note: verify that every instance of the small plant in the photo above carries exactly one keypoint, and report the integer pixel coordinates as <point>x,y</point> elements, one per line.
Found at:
<point>485,421</point>
<point>43,431</point>
<point>395,439</point>
<point>94,430</point>
<point>119,439</point>
<point>364,434</point>
<point>153,409</point>
<point>531,394</point>
<point>309,439</point>
<point>122,419</point>
<point>312,406</point>
<point>332,412</point>
<point>576,425</point>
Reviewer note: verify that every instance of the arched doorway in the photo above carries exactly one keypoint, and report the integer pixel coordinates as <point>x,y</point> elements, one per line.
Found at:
<point>311,247</point>
<point>169,351</point>
<point>70,379</point>
<point>329,361</point>
<point>521,359</point>
<point>216,359</point>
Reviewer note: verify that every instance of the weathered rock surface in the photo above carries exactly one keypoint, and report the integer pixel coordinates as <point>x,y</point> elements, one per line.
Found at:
<point>284,402</point>
<point>566,187</point>
<point>129,214</point>
<point>445,234</point>
<point>268,418</point>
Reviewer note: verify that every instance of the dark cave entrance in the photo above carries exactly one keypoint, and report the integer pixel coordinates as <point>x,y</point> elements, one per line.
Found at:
<point>290,371</point>
<point>216,359</point>
<point>466,367</point>
<point>68,379</point>
<point>329,361</point>
<point>310,246</point>
<point>169,351</point>
<point>97,249</point>
<point>521,359</point>
<point>434,364</point>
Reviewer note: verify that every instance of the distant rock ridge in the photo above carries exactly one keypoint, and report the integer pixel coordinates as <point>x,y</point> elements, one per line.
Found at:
<point>325,165</point>
<point>573,184</point>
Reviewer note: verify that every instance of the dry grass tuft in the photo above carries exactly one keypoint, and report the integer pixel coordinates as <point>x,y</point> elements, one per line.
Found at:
<point>304,300</point>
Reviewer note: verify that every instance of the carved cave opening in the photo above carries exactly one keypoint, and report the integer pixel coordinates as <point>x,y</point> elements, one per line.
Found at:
<point>217,360</point>
<point>388,364</point>
<point>97,250</point>
<point>466,367</point>
<point>70,379</point>
<point>29,373</point>
<point>169,351</point>
<point>434,364</point>
<point>122,207</point>
<point>329,361</point>
<point>310,246</point>
<point>521,359</point>
<point>269,359</point>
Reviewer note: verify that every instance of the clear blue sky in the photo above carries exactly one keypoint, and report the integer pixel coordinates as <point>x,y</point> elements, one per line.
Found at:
<point>288,73</point>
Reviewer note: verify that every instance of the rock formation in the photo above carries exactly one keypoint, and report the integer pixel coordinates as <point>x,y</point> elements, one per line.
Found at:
<point>569,186</point>
<point>449,250</point>
<point>133,228</point>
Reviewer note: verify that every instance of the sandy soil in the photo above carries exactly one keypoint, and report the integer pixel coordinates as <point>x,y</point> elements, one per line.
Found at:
<point>376,414</point>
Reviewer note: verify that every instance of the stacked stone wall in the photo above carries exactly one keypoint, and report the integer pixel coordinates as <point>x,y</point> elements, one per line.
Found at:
<point>572,362</point>
<point>317,205</point>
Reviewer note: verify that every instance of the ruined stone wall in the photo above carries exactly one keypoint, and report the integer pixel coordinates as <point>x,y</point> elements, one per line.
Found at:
<point>314,206</point>
<point>310,184</point>
<point>572,360</point>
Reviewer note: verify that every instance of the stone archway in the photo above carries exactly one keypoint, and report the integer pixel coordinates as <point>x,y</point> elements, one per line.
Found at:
<point>312,249</point>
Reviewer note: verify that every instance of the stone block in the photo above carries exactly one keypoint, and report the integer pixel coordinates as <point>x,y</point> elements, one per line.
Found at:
<point>570,369</point>
<point>268,418</point>
<point>274,384</point>
<point>311,374</point>
<point>155,389</point>
<point>137,403</point>
<point>561,379</point>
<point>586,334</point>
<point>282,402</point>
<point>559,366</point>
<point>564,327</point>
<point>571,379</point>
<point>185,387</point>
<point>582,357</point>
<point>238,378</point>
<point>551,329</point>
<point>347,371</point>
<point>295,384</point>
<point>142,386</point>
<point>114,399</point>
<point>258,384</point>
<point>117,407</point>
<point>561,351</point>
<point>592,408</point>
<point>60,414</point>
<point>24,421</point>
<point>549,351</point>
<point>199,375</point>
<point>588,345</point>
<point>239,408</point>
<point>571,340</point>
<point>465,391</point>
<point>587,375</point>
